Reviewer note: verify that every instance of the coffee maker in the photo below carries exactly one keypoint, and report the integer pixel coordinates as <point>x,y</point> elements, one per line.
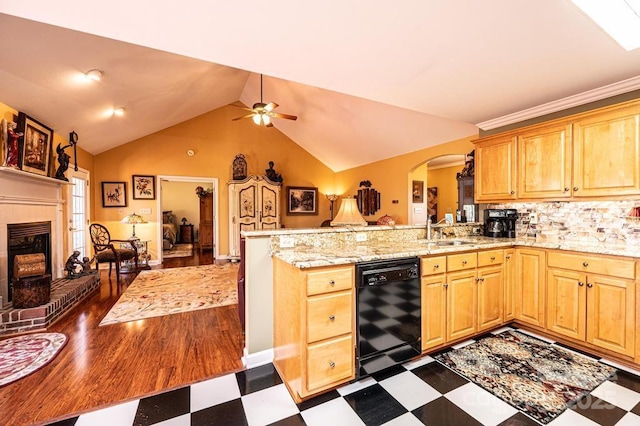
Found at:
<point>500,223</point>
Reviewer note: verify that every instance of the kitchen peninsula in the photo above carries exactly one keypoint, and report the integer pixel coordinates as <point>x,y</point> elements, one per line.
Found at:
<point>534,283</point>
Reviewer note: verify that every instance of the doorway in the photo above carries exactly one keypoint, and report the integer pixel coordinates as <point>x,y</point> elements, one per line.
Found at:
<point>190,216</point>
<point>78,212</point>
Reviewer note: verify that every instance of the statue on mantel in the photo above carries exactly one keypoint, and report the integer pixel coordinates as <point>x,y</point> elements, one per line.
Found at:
<point>11,157</point>
<point>63,157</point>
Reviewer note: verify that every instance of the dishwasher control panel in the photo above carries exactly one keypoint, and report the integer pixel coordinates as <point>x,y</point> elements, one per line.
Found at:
<point>385,276</point>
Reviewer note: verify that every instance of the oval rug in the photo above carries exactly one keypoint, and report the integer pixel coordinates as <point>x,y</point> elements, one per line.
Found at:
<point>22,355</point>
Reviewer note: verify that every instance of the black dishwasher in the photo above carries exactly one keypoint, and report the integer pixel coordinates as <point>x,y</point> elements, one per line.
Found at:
<point>388,313</point>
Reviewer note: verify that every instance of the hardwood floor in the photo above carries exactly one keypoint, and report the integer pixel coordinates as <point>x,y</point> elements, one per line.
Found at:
<point>101,366</point>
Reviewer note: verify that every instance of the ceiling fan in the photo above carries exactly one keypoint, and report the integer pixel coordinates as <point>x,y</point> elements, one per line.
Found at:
<point>263,113</point>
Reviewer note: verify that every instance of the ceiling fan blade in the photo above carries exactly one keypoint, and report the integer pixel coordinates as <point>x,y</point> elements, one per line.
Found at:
<point>271,106</point>
<point>287,116</point>
<point>244,116</point>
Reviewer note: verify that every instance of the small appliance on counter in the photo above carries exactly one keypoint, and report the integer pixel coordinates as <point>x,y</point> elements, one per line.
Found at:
<point>500,223</point>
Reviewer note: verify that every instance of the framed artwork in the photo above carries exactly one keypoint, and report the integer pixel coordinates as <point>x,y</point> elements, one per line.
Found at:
<point>432,203</point>
<point>35,149</point>
<point>144,187</point>
<point>418,191</point>
<point>114,194</point>
<point>302,200</point>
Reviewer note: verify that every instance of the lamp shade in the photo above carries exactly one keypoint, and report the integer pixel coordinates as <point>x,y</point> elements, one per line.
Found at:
<point>133,219</point>
<point>348,214</point>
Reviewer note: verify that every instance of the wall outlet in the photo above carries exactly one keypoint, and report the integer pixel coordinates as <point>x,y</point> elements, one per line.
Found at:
<point>145,211</point>
<point>361,237</point>
<point>286,242</point>
<point>533,218</point>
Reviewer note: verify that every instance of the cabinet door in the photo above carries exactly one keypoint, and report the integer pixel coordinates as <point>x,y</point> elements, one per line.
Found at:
<point>495,164</point>
<point>434,311</point>
<point>530,286</point>
<point>462,304</point>
<point>606,156</point>
<point>269,209</point>
<point>611,309</point>
<point>566,305</point>
<point>544,160</point>
<point>509,283</point>
<point>490,296</point>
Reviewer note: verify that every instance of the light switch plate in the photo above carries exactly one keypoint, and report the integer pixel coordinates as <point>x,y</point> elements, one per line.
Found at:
<point>145,211</point>
<point>286,242</point>
<point>361,237</point>
<point>533,218</point>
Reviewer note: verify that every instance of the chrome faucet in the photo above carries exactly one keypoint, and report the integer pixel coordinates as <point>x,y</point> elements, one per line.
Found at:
<point>429,225</point>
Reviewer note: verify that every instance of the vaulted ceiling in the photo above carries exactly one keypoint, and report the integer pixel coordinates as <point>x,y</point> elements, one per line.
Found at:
<point>367,80</point>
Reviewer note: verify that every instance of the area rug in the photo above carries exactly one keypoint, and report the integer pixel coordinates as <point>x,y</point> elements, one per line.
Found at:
<point>22,355</point>
<point>178,250</point>
<point>161,292</point>
<point>535,377</point>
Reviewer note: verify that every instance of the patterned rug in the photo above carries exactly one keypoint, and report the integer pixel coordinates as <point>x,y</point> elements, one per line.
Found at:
<point>535,377</point>
<point>170,291</point>
<point>178,250</point>
<point>22,355</point>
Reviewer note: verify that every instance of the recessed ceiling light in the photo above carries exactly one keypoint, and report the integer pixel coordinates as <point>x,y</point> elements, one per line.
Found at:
<point>94,74</point>
<point>119,111</point>
<point>619,18</point>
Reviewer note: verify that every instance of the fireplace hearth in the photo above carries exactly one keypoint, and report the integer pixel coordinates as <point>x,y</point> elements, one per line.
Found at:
<point>27,238</point>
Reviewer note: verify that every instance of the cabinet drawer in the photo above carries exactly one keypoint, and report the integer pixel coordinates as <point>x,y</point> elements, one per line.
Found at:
<point>623,268</point>
<point>490,257</point>
<point>330,362</point>
<point>327,280</point>
<point>460,262</point>
<point>433,265</point>
<point>328,316</point>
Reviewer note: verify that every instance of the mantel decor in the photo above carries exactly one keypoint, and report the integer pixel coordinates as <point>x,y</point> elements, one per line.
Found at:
<point>35,149</point>
<point>239,167</point>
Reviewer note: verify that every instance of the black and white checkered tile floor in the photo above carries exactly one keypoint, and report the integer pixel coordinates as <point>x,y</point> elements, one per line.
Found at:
<point>416,393</point>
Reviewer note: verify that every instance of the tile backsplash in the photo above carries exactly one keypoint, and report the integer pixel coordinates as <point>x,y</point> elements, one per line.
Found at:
<point>593,221</point>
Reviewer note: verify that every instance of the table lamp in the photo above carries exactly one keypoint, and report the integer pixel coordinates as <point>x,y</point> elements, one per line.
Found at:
<point>348,214</point>
<point>133,219</point>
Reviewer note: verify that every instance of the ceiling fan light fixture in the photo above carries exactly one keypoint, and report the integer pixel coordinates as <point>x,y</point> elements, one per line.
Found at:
<point>257,118</point>
<point>94,74</point>
<point>266,119</point>
<point>119,111</point>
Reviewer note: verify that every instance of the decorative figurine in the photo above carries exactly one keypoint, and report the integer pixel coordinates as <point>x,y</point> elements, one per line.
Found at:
<point>469,166</point>
<point>239,167</point>
<point>63,157</point>
<point>72,264</point>
<point>11,157</point>
<point>86,265</point>
<point>272,175</point>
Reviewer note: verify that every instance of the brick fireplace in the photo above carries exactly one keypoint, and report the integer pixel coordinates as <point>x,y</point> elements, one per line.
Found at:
<point>29,198</point>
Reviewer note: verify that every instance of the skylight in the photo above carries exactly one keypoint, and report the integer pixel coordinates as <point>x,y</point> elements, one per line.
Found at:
<point>619,18</point>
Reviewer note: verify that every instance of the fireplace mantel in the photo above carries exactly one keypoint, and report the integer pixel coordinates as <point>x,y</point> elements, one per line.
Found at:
<point>15,174</point>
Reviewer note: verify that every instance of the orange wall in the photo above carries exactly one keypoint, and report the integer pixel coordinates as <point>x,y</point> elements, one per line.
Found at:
<point>392,177</point>
<point>444,179</point>
<point>216,141</point>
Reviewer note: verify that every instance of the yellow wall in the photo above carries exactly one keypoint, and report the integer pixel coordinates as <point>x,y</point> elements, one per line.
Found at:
<point>445,180</point>
<point>216,141</point>
<point>174,199</point>
<point>392,177</point>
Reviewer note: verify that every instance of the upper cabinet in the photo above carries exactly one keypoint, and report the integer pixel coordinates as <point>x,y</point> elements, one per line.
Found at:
<point>588,155</point>
<point>495,164</point>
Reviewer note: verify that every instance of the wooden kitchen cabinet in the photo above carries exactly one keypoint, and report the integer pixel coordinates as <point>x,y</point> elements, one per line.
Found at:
<point>592,298</point>
<point>495,168</point>
<point>544,162</point>
<point>490,288</point>
<point>606,153</point>
<point>530,286</point>
<point>462,304</point>
<point>509,284</point>
<point>434,301</point>
<point>314,327</point>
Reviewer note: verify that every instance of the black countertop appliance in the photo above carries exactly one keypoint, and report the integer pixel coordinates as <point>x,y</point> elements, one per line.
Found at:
<point>500,223</point>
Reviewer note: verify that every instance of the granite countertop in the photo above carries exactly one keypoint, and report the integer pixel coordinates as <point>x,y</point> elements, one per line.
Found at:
<point>311,257</point>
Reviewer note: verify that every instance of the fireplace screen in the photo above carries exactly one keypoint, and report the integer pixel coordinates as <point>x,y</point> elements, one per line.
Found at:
<point>28,238</point>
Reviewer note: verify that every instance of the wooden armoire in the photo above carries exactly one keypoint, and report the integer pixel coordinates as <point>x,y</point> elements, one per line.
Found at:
<point>205,232</point>
<point>254,204</point>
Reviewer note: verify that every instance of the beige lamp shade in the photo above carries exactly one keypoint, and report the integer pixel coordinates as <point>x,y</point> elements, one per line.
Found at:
<point>348,214</point>
<point>133,219</point>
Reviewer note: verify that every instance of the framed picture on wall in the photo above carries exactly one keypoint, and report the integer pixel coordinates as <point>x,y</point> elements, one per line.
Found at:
<point>432,203</point>
<point>35,149</point>
<point>114,194</point>
<point>417,191</point>
<point>302,200</point>
<point>144,187</point>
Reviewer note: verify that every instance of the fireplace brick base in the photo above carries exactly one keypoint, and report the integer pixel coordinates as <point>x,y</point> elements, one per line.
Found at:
<point>65,294</point>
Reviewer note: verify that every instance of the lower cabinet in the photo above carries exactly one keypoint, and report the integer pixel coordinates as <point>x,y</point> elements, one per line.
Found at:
<point>592,298</point>
<point>434,301</point>
<point>509,284</point>
<point>314,327</point>
<point>530,286</point>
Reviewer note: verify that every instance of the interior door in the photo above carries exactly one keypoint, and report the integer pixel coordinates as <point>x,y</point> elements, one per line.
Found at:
<point>78,212</point>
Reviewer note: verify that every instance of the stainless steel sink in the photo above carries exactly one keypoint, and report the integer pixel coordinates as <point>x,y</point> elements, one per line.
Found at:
<point>451,242</point>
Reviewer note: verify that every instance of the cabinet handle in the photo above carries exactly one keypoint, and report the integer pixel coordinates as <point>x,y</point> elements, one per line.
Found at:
<point>566,189</point>
<point>332,317</point>
<point>436,266</point>
<point>575,188</point>
<point>493,258</point>
<point>332,283</point>
<point>508,256</point>
<point>332,364</point>
<point>445,285</point>
<point>585,264</point>
<point>464,262</point>
<point>512,192</point>
<point>589,285</point>
<point>477,279</point>
<point>580,283</point>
